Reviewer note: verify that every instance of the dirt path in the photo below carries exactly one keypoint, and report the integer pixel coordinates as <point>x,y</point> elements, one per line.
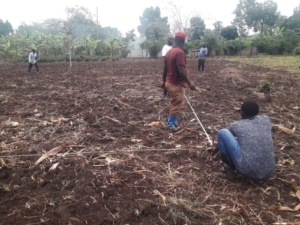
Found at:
<point>119,166</point>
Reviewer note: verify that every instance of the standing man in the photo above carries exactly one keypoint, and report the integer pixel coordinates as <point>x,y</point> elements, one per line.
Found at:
<point>202,56</point>
<point>175,78</point>
<point>247,145</point>
<point>168,46</point>
<point>32,61</point>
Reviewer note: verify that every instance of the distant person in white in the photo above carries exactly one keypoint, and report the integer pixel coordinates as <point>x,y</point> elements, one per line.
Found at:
<point>168,46</point>
<point>165,50</point>
<point>32,61</point>
<point>202,56</point>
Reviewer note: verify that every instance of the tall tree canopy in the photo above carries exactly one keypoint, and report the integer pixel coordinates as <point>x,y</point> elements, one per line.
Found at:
<point>262,14</point>
<point>76,18</point>
<point>49,26</point>
<point>152,17</point>
<point>179,20</point>
<point>229,32</point>
<point>252,14</point>
<point>218,26</point>
<point>293,22</point>
<point>5,28</point>
<point>240,16</point>
<point>108,32</point>
<point>197,27</point>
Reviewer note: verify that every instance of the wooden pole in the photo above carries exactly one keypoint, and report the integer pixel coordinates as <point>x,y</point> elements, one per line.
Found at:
<point>97,23</point>
<point>70,36</point>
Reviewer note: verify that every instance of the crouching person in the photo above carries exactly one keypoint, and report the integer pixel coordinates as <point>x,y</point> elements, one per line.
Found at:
<point>247,145</point>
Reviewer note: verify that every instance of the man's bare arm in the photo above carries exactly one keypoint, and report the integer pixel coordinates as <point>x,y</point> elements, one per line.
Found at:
<point>183,75</point>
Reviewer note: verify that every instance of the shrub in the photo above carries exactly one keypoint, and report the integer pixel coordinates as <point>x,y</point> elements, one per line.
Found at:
<point>95,58</point>
<point>297,51</point>
<point>102,49</point>
<point>77,58</point>
<point>187,47</point>
<point>282,46</point>
<point>291,36</point>
<point>233,47</point>
<point>214,42</point>
<point>264,44</point>
<point>79,50</point>
<point>105,58</point>
<point>22,58</point>
<point>196,44</point>
<point>279,44</point>
<point>60,58</point>
<point>153,46</point>
<point>229,33</point>
<point>87,58</point>
<point>124,52</point>
<point>47,58</point>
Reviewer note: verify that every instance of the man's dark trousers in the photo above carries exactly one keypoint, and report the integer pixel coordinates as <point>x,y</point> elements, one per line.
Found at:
<point>201,64</point>
<point>31,65</point>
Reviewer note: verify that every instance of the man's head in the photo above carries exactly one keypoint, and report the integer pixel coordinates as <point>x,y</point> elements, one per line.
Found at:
<point>203,45</point>
<point>33,50</point>
<point>179,39</point>
<point>170,39</point>
<point>249,109</point>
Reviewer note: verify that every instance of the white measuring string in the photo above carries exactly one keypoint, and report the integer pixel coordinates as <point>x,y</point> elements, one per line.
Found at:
<point>209,139</point>
<point>113,151</point>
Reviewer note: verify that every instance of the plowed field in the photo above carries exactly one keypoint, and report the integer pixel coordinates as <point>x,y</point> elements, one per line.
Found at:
<point>109,166</point>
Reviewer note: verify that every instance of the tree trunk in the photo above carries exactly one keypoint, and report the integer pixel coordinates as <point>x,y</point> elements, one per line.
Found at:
<point>70,51</point>
<point>261,27</point>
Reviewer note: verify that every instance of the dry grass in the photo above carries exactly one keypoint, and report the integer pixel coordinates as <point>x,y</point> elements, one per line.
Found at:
<point>289,63</point>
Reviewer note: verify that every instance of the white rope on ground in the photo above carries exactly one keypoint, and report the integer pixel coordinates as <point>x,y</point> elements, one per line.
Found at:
<point>209,139</point>
<point>104,152</point>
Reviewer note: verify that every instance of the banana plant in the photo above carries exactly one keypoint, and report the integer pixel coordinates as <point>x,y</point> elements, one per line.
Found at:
<point>9,50</point>
<point>92,45</point>
<point>114,45</point>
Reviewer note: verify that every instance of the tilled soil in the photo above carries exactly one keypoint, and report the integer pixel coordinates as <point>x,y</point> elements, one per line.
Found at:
<point>112,167</point>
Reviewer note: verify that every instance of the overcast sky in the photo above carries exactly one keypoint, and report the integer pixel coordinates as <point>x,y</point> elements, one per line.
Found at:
<point>124,14</point>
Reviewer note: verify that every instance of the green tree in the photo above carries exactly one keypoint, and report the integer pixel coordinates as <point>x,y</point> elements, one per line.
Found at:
<point>153,32</point>
<point>218,26</point>
<point>153,16</point>
<point>291,37</point>
<point>49,26</point>
<point>108,32</point>
<point>153,46</point>
<point>9,48</point>
<point>283,42</point>
<point>76,17</point>
<point>114,45</point>
<point>233,47</point>
<point>90,45</point>
<point>129,36</point>
<point>215,43</point>
<point>126,43</point>
<point>5,28</point>
<point>240,16</point>
<point>262,14</point>
<point>293,22</point>
<point>179,20</point>
<point>279,25</point>
<point>154,28</point>
<point>197,27</point>
<point>229,33</point>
